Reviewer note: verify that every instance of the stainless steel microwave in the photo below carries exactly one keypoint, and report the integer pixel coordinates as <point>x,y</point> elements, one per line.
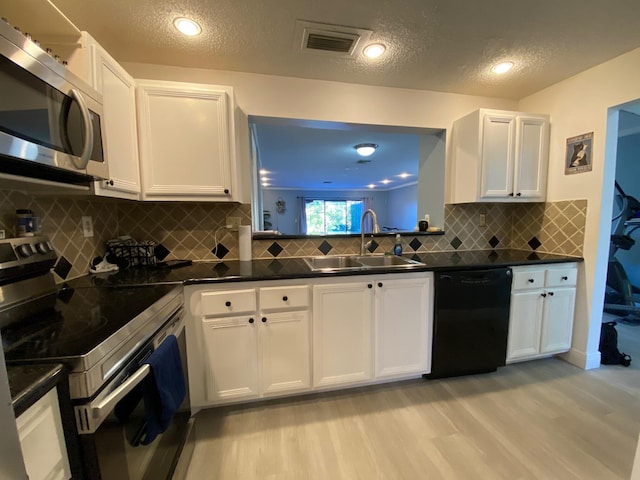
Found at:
<point>50,120</point>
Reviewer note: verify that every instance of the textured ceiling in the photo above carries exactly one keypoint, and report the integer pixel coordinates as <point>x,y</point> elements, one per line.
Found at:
<point>442,45</point>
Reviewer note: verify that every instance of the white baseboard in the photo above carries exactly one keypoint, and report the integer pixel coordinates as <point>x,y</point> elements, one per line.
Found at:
<point>586,361</point>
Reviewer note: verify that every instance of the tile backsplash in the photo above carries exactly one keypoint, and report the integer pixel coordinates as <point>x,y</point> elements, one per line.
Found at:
<point>192,230</point>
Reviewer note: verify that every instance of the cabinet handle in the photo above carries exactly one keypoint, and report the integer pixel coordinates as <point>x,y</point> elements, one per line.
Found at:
<point>380,284</point>
<point>518,194</point>
<point>551,294</point>
<point>369,286</point>
<point>531,280</point>
<point>285,298</point>
<point>264,319</point>
<point>227,303</point>
<point>565,278</point>
<point>226,191</point>
<point>251,320</point>
<point>543,294</point>
<point>511,194</point>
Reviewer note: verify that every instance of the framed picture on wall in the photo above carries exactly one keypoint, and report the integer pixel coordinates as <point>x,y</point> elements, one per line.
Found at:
<point>579,154</point>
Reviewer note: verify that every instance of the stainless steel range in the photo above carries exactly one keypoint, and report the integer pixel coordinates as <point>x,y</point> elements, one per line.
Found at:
<point>102,335</point>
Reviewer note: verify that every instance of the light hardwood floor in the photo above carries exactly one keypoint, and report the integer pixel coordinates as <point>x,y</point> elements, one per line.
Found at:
<point>542,419</point>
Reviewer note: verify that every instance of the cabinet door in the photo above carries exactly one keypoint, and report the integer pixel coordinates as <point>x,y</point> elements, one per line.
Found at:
<point>342,333</point>
<point>118,92</point>
<point>231,355</point>
<point>498,150</point>
<point>557,325</point>
<point>532,153</point>
<point>284,352</point>
<point>42,440</point>
<point>401,319</point>
<point>185,144</point>
<point>525,324</point>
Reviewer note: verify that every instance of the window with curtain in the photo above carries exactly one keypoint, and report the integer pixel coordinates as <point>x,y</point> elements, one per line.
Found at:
<point>326,217</point>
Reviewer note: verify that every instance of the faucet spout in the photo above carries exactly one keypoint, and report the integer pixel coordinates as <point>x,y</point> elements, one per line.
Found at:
<point>376,229</point>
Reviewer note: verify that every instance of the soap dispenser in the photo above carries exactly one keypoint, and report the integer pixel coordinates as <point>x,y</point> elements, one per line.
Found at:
<point>397,248</point>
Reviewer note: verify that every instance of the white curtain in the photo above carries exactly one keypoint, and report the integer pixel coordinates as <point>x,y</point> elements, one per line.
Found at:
<point>367,203</point>
<point>302,215</point>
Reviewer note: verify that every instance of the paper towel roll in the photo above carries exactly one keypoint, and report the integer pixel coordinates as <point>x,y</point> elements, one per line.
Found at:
<point>244,239</point>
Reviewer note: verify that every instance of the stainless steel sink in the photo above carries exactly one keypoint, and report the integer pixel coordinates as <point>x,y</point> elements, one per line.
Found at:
<point>332,263</point>
<point>385,261</point>
<point>365,262</point>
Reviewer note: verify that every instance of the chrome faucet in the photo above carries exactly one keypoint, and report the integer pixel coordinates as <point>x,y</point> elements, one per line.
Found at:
<point>376,229</point>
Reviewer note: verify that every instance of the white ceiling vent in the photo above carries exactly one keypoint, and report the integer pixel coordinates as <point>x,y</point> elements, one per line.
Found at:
<point>334,40</point>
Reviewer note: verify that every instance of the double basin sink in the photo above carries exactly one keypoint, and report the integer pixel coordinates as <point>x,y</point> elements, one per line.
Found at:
<point>359,262</point>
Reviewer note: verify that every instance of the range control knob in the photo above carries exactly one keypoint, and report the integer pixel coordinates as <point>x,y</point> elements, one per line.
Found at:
<point>43,248</point>
<point>25,250</point>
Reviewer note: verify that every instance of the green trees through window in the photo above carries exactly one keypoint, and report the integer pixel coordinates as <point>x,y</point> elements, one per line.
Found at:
<point>326,217</point>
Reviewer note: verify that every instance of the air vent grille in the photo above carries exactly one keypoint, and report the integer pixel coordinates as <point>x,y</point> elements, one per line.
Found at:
<point>325,39</point>
<point>317,41</point>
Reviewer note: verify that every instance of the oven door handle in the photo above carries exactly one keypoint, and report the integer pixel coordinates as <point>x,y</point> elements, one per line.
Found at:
<point>90,416</point>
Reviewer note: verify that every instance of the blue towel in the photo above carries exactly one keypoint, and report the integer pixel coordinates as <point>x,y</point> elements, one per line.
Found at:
<point>164,388</point>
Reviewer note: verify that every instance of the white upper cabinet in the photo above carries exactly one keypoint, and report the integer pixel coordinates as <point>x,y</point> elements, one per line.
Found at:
<point>187,141</point>
<point>500,156</point>
<point>118,93</point>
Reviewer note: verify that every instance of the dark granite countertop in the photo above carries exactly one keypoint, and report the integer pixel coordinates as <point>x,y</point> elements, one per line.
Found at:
<point>28,383</point>
<point>291,268</point>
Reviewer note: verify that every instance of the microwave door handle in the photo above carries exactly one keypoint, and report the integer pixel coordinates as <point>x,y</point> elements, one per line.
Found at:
<point>87,148</point>
<point>101,410</point>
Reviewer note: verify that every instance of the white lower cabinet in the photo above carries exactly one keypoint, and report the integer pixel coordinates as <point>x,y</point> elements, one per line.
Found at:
<point>284,352</point>
<point>42,440</point>
<point>542,310</point>
<point>373,327</point>
<point>342,332</point>
<point>263,349</point>
<point>403,319</point>
<point>275,338</point>
<point>231,357</point>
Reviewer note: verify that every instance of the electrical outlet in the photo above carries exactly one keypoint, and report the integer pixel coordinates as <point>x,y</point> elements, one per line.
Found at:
<point>483,220</point>
<point>234,222</point>
<point>87,227</point>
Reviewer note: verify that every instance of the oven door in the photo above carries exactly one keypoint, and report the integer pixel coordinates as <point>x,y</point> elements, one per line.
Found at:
<point>112,448</point>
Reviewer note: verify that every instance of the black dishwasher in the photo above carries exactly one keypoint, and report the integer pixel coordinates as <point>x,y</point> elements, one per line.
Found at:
<point>471,321</point>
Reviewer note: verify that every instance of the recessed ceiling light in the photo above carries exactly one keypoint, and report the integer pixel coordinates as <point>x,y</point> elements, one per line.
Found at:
<point>385,181</point>
<point>265,179</point>
<point>186,26</point>
<point>404,175</point>
<point>371,185</point>
<point>501,68</point>
<point>264,172</point>
<point>365,149</point>
<point>374,50</point>
<point>266,184</point>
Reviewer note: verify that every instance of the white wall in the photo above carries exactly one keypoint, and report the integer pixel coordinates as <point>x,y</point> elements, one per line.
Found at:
<point>580,105</point>
<point>402,211</point>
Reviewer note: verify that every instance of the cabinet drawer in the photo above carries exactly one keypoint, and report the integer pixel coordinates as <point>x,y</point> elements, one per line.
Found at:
<point>275,298</point>
<point>524,279</point>
<point>228,303</point>
<point>561,277</point>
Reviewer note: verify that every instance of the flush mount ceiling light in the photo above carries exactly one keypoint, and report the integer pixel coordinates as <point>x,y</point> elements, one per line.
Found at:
<point>365,149</point>
<point>186,26</point>
<point>374,50</point>
<point>501,68</point>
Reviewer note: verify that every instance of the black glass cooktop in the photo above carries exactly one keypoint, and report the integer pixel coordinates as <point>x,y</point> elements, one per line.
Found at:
<point>73,322</point>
